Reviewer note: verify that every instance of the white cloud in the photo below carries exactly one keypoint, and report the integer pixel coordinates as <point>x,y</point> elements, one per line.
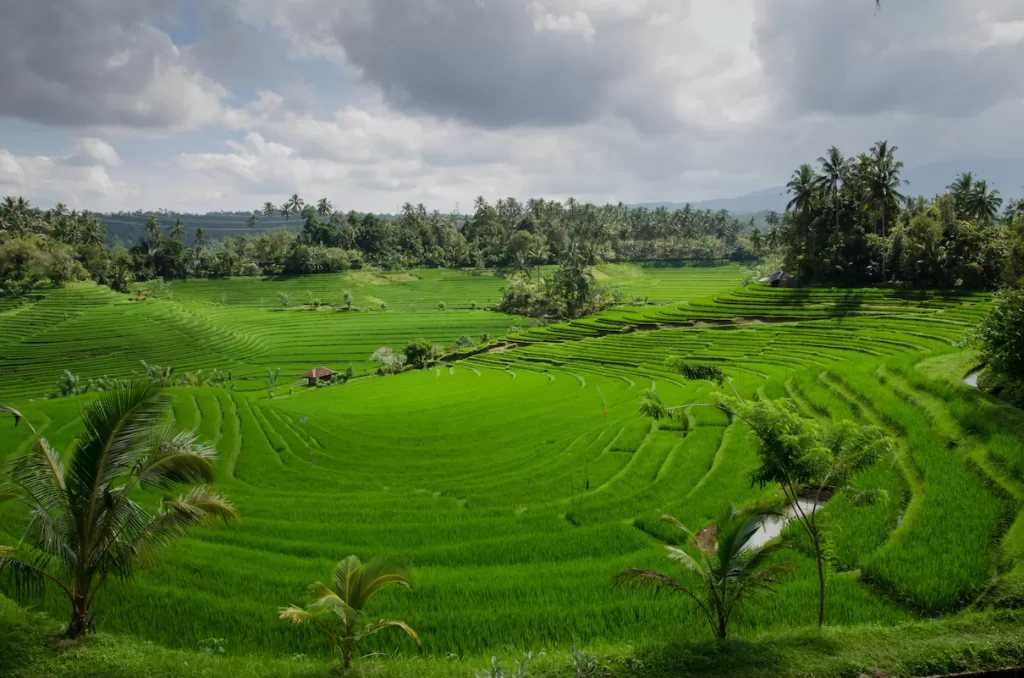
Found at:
<point>77,179</point>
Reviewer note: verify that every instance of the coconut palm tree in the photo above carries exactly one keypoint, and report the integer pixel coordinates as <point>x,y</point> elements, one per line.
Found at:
<point>724,575</point>
<point>285,209</point>
<point>177,230</point>
<point>85,524</point>
<point>253,221</point>
<point>324,207</point>
<point>962,189</point>
<point>834,168</point>
<point>269,209</point>
<point>295,204</point>
<point>338,613</point>
<point>803,186</point>
<point>984,203</point>
<point>200,237</point>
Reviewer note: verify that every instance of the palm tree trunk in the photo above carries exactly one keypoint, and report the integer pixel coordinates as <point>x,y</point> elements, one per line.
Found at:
<point>80,617</point>
<point>348,648</point>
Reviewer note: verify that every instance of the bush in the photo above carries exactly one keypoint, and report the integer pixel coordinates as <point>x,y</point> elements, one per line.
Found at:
<point>421,353</point>
<point>465,341</point>
<point>389,361</point>
<point>1001,334</point>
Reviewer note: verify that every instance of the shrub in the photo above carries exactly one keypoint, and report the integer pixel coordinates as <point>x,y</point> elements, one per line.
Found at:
<point>465,341</point>
<point>389,361</point>
<point>1001,334</point>
<point>421,353</point>
<point>441,306</point>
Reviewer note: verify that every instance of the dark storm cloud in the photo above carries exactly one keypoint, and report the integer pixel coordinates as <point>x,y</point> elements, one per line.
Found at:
<point>480,61</point>
<point>94,62</point>
<point>934,59</point>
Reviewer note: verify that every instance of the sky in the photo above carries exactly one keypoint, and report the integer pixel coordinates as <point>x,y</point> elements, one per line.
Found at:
<point>202,105</point>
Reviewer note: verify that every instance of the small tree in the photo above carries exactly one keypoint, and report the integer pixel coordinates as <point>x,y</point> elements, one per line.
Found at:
<point>726,574</point>
<point>348,298</point>
<point>464,341</point>
<point>441,306</point>
<point>284,298</point>
<point>85,525</point>
<point>349,373</point>
<point>389,361</point>
<point>798,453</point>
<point>1001,334</point>
<point>338,613</point>
<point>485,338</point>
<point>420,353</point>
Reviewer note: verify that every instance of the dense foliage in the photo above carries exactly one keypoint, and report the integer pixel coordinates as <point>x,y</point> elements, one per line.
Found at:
<point>848,223</point>
<point>58,246</point>
<point>1001,334</point>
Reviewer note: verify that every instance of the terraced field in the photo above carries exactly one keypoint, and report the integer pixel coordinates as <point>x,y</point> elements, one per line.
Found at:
<point>520,480</point>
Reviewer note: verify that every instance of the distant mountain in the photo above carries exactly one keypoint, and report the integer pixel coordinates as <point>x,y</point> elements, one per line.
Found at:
<point>1004,174</point>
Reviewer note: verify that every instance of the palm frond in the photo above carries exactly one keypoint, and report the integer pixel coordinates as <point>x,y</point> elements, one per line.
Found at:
<point>387,623</point>
<point>117,424</point>
<point>294,614</point>
<point>346,578</point>
<point>19,578</point>
<point>382,571</point>
<point>39,478</point>
<point>175,457</point>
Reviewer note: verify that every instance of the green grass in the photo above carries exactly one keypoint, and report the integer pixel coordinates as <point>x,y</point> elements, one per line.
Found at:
<point>506,480</point>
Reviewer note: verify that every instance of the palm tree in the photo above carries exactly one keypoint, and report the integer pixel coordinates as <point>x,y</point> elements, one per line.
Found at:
<point>338,613</point>
<point>285,210</point>
<point>984,204</point>
<point>177,230</point>
<point>803,186</point>
<point>725,574</point>
<point>884,180</point>
<point>253,221</point>
<point>834,168</point>
<point>295,204</point>
<point>962,189</point>
<point>269,209</point>
<point>85,525</point>
<point>651,405</point>
<point>200,237</point>
<point>324,207</point>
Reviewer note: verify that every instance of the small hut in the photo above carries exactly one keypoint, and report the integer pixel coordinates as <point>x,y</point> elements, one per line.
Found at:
<point>321,373</point>
<point>779,279</point>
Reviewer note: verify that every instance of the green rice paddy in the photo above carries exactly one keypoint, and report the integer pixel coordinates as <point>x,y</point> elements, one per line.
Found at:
<point>520,480</point>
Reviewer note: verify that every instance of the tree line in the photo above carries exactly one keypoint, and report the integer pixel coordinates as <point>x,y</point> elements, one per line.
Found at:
<point>849,224</point>
<point>57,246</point>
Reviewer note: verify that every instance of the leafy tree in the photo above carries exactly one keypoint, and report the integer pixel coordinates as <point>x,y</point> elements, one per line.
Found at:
<point>338,613</point>
<point>348,298</point>
<point>465,341</point>
<point>284,298</point>
<point>85,524</point>
<point>798,453</point>
<point>723,576</point>
<point>1001,334</point>
<point>420,353</point>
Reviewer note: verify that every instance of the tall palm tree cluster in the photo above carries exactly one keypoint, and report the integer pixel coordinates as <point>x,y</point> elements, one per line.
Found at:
<point>849,221</point>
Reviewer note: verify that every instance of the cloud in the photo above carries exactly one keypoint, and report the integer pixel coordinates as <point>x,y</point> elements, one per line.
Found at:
<point>99,63</point>
<point>949,59</point>
<point>79,178</point>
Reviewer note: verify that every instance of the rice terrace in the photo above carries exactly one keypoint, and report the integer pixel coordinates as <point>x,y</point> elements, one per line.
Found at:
<point>778,434</point>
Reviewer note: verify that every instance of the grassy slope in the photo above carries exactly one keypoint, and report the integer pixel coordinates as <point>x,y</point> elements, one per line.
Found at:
<point>465,470</point>
<point>966,643</point>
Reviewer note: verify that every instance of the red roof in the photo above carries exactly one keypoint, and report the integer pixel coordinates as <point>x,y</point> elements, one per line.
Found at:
<point>319,373</point>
